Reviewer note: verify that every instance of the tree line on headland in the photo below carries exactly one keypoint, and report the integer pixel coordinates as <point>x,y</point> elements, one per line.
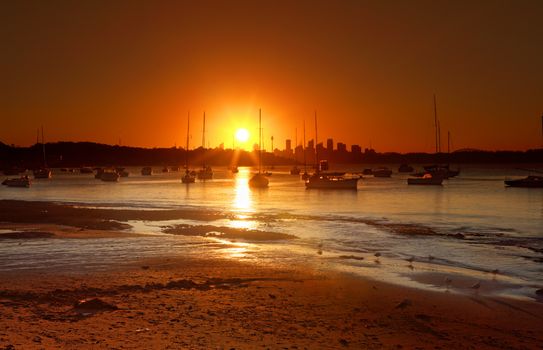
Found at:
<point>77,154</point>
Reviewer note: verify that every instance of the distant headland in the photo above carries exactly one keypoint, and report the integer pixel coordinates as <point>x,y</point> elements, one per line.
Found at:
<point>76,154</point>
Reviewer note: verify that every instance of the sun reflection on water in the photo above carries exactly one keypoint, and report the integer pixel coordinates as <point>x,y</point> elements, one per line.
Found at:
<point>242,194</point>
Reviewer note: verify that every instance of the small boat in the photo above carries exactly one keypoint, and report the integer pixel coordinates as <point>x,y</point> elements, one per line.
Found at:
<point>147,171</point>
<point>174,168</point>
<point>122,172</point>
<point>259,180</point>
<point>165,170</point>
<point>99,172</point>
<point>23,181</point>
<point>206,173</point>
<point>323,165</point>
<point>189,176</point>
<point>382,172</point>
<point>331,181</point>
<point>405,168</point>
<point>441,170</point>
<point>295,170</point>
<point>426,179</point>
<point>109,176</point>
<point>42,173</point>
<point>531,181</point>
<point>367,171</point>
<point>85,170</point>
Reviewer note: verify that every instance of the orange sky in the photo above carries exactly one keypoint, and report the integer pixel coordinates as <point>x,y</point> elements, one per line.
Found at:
<point>104,70</point>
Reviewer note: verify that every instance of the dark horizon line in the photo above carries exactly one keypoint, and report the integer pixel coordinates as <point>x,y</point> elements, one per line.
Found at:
<point>366,149</point>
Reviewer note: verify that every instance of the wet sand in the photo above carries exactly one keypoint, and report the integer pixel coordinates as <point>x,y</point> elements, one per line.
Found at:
<point>203,304</point>
<point>176,302</point>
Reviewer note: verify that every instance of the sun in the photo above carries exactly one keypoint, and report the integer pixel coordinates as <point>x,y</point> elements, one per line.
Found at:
<point>242,135</point>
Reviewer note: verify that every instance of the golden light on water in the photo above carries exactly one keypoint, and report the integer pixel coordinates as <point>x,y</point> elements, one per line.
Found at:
<point>242,194</point>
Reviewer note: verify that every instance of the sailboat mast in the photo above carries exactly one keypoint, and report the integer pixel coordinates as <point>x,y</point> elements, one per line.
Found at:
<point>259,140</point>
<point>187,149</point>
<point>435,122</point>
<point>316,143</point>
<point>438,137</point>
<point>303,149</point>
<point>43,147</point>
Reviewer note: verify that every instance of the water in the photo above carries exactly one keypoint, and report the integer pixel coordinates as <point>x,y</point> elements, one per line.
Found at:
<point>469,226</point>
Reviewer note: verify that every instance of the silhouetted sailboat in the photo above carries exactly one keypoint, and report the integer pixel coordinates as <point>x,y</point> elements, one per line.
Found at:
<point>333,181</point>
<point>188,177</point>
<point>259,180</point>
<point>44,172</point>
<point>206,173</point>
<point>305,175</point>
<point>295,170</point>
<point>23,181</point>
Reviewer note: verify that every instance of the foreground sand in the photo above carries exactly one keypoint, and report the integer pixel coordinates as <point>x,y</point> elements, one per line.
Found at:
<point>181,303</point>
<point>207,304</point>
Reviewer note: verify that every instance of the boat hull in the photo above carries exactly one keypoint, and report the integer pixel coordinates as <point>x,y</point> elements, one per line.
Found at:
<point>259,181</point>
<point>529,182</point>
<point>425,182</point>
<point>331,183</point>
<point>20,182</point>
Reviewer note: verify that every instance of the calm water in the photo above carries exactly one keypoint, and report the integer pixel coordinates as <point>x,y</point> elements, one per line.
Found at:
<point>502,227</point>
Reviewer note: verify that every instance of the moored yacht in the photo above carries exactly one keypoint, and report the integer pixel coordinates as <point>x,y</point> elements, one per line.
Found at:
<point>23,181</point>
<point>259,180</point>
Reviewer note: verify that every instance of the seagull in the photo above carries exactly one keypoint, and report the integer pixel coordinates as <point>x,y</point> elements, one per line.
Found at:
<point>410,260</point>
<point>494,273</point>
<point>476,286</point>
<point>448,282</point>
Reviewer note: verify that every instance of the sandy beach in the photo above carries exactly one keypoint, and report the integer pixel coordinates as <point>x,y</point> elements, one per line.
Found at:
<point>175,302</point>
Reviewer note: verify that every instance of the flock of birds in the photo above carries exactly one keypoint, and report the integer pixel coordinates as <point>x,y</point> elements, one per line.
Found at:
<point>448,281</point>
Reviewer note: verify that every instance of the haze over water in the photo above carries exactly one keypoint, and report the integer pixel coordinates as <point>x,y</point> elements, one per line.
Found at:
<point>469,226</point>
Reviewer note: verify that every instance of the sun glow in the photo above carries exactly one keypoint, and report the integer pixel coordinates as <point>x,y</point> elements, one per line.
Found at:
<point>242,135</point>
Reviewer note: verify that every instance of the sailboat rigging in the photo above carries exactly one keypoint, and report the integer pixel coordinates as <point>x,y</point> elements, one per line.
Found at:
<point>187,177</point>
<point>206,173</point>
<point>322,180</point>
<point>259,180</point>
<point>43,172</point>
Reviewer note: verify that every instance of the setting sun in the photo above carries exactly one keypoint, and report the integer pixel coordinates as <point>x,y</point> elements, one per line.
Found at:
<point>242,135</point>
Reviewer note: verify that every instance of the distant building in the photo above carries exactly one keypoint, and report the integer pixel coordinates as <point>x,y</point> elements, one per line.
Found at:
<point>330,145</point>
<point>288,146</point>
<point>356,149</point>
<point>341,147</point>
<point>311,144</point>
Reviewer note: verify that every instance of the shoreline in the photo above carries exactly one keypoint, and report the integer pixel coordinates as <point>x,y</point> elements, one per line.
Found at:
<point>21,220</point>
<point>222,303</point>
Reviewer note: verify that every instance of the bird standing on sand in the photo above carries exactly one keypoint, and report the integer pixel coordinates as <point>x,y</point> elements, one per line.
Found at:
<point>494,273</point>
<point>377,255</point>
<point>448,282</point>
<point>476,286</point>
<point>410,260</point>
